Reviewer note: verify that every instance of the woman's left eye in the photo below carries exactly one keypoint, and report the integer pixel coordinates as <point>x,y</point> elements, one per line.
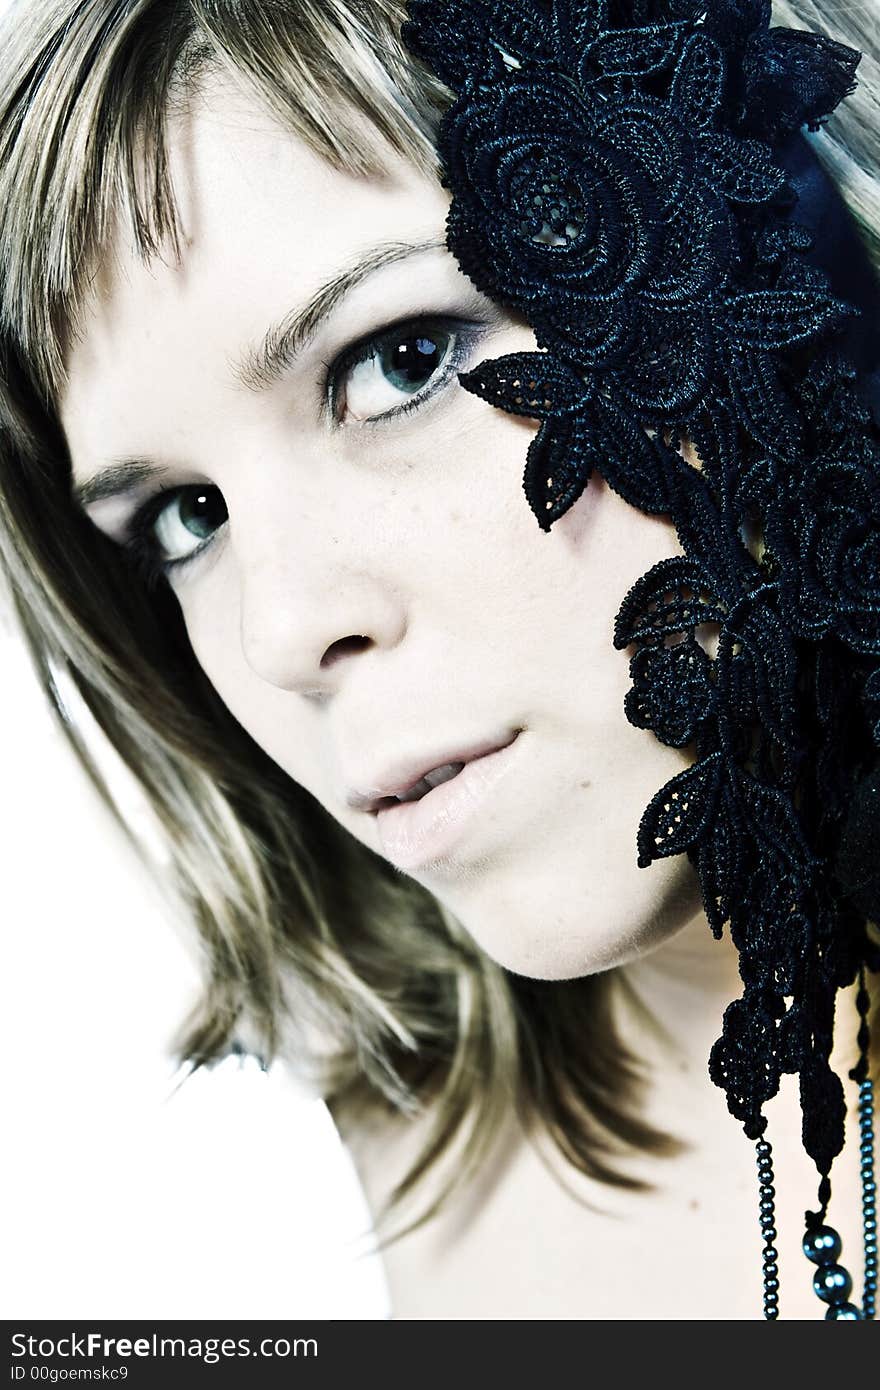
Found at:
<point>399,369</point>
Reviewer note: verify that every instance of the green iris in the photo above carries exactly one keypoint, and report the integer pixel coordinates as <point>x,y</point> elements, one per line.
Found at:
<point>201,511</point>
<point>409,363</point>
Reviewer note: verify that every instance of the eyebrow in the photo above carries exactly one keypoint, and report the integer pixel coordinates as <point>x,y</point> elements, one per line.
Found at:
<point>117,478</point>
<point>262,364</point>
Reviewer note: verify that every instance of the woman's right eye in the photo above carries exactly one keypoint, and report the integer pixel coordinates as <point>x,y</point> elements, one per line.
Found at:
<point>174,526</point>
<point>400,368</point>
<point>394,371</point>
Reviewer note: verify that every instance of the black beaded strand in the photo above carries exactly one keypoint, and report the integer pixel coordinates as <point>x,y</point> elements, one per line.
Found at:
<point>831,1282</point>
<point>767,1209</point>
<point>822,1244</point>
<point>866,1151</point>
<point>869,1194</point>
<point>859,1073</point>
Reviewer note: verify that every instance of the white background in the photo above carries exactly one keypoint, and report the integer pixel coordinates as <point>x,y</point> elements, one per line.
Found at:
<point>126,1194</point>
<point>129,1194</point>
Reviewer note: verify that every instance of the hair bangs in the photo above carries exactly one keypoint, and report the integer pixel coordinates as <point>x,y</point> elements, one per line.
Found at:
<point>84,130</point>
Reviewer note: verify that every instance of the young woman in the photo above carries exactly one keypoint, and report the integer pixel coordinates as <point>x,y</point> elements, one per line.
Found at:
<point>248,507</point>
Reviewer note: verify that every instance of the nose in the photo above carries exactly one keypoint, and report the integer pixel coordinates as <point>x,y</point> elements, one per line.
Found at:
<point>310,608</point>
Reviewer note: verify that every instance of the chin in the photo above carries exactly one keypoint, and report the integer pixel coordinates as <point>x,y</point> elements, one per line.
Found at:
<point>565,955</point>
<point>583,932</point>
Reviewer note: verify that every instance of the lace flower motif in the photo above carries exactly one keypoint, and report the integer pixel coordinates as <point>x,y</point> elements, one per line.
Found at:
<point>615,179</point>
<point>595,192</point>
<point>831,515</point>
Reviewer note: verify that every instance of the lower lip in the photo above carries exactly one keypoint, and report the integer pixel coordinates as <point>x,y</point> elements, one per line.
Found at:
<point>415,833</point>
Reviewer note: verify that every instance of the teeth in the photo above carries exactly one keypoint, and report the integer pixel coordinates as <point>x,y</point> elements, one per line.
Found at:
<point>432,779</point>
<point>442,774</point>
<point>415,792</point>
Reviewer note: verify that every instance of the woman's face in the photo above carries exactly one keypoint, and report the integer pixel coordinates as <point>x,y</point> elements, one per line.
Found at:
<point>357,567</point>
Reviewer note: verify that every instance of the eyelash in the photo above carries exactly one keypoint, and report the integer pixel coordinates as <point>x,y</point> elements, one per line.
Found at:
<point>140,546</point>
<point>466,333</point>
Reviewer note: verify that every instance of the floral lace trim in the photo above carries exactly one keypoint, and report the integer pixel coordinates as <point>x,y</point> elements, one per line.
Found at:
<point>615,181</point>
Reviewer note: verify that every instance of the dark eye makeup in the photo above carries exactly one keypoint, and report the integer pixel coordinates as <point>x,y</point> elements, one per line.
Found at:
<point>430,346</point>
<point>405,349</point>
<point>141,546</point>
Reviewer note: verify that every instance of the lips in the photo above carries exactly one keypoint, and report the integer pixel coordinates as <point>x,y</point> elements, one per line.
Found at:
<point>403,780</point>
<point>456,819</point>
<point>432,779</point>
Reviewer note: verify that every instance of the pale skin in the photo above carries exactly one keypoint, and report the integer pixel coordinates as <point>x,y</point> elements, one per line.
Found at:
<point>378,582</point>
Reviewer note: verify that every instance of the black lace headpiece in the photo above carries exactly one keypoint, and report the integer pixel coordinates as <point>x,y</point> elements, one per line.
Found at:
<point>631,177</point>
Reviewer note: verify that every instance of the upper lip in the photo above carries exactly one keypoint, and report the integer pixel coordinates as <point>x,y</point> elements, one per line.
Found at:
<point>399,777</point>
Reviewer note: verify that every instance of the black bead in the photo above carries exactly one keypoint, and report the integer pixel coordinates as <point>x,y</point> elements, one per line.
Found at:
<point>822,1245</point>
<point>846,1312</point>
<point>832,1283</point>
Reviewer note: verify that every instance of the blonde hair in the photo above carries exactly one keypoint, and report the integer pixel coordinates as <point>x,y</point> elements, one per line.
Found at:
<point>848,145</point>
<point>311,943</point>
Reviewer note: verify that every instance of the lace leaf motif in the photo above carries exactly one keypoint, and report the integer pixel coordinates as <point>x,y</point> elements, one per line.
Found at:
<point>614,180</point>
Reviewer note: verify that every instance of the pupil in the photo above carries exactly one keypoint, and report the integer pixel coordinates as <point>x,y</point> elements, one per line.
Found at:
<point>202,512</point>
<point>412,362</point>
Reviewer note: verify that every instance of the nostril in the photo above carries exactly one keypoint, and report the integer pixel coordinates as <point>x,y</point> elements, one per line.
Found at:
<point>345,646</point>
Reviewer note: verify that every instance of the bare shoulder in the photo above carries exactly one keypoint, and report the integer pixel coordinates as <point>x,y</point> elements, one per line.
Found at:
<point>454,1264</point>
<point>525,1238</point>
<point>513,1240</point>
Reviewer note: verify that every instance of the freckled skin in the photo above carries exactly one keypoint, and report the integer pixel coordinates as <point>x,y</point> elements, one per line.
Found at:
<point>412,534</point>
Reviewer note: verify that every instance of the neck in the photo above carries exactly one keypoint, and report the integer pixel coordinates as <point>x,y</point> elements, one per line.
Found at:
<point>669,1005</point>
<point>673,997</point>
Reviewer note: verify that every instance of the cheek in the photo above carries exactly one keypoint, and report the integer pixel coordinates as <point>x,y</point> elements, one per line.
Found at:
<point>502,621</point>
<point>209,605</point>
